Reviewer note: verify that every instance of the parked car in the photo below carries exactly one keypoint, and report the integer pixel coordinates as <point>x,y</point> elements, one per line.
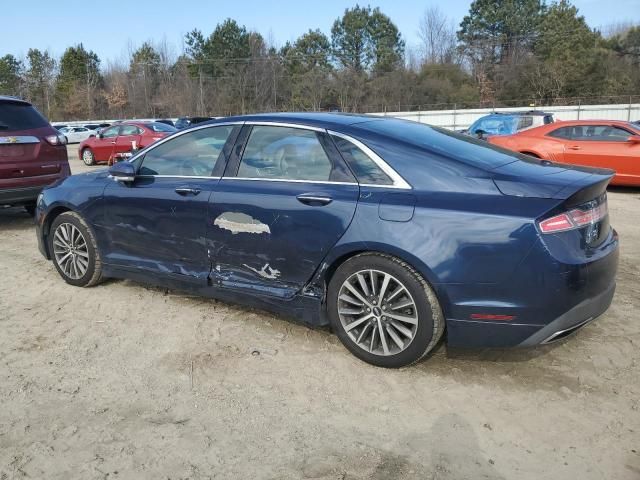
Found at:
<point>119,139</point>
<point>32,153</point>
<point>166,121</point>
<point>390,231</point>
<point>76,134</point>
<point>499,123</point>
<point>96,126</point>
<point>59,127</point>
<point>597,143</point>
<point>185,122</point>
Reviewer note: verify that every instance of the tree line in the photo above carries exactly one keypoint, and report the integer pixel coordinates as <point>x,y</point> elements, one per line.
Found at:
<point>503,53</point>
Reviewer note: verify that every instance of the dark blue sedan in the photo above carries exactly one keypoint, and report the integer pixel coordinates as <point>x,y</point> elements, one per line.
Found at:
<point>392,232</point>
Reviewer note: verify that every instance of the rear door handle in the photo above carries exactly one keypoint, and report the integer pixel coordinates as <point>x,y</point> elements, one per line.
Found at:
<point>184,191</point>
<point>574,147</point>
<point>314,199</point>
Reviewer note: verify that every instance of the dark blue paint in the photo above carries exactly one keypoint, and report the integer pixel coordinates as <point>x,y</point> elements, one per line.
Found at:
<point>468,225</point>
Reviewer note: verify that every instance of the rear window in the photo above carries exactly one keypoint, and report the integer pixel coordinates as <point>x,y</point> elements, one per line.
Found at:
<point>160,127</point>
<point>459,147</point>
<point>15,117</point>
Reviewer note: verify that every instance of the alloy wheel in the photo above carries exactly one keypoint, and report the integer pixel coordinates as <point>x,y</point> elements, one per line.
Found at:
<point>377,312</point>
<point>70,251</point>
<point>87,156</point>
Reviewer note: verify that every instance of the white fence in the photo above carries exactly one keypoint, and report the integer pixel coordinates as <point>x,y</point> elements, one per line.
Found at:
<point>460,119</point>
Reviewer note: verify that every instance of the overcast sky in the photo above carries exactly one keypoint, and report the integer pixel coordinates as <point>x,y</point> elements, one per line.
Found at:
<point>108,28</point>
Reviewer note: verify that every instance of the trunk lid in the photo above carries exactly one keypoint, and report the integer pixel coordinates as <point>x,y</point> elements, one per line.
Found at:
<point>543,179</point>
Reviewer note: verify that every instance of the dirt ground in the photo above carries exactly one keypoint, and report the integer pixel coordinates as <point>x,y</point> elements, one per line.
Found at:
<point>126,381</point>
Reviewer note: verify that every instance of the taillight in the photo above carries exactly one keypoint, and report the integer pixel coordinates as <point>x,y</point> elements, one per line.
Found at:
<point>58,139</point>
<point>575,218</point>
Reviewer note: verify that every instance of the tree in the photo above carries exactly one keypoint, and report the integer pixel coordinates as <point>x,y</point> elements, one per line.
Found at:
<point>78,78</point>
<point>40,77</point>
<point>568,47</point>
<point>438,37</point>
<point>144,73</point>
<point>11,71</point>
<point>367,40</point>
<point>498,33</point>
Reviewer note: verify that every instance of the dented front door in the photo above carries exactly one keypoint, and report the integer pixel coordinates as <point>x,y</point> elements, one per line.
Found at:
<point>268,237</point>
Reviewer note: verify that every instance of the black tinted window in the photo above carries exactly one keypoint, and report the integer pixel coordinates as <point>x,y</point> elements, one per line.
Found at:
<point>192,154</point>
<point>592,133</point>
<point>284,153</point>
<point>14,117</point>
<point>365,169</point>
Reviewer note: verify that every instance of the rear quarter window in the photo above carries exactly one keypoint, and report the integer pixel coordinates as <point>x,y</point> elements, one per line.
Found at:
<point>15,117</point>
<point>462,148</point>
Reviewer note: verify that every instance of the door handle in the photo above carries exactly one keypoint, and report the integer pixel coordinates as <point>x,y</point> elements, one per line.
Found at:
<point>314,199</point>
<point>574,147</point>
<point>187,191</point>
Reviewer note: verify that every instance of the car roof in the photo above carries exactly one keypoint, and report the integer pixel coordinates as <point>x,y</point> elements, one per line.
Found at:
<point>10,99</point>
<point>320,120</point>
<point>529,112</point>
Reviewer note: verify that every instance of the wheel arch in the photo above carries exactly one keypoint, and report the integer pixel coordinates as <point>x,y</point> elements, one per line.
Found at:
<point>50,216</point>
<point>345,252</point>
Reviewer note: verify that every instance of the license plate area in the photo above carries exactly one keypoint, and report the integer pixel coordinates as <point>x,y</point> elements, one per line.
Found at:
<point>11,150</point>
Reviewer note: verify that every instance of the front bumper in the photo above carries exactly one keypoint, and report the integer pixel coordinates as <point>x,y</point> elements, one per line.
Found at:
<point>19,196</point>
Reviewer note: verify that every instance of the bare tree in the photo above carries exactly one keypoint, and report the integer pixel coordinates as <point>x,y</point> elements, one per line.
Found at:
<point>437,33</point>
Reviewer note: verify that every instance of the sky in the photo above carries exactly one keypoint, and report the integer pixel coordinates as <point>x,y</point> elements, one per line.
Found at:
<point>112,28</point>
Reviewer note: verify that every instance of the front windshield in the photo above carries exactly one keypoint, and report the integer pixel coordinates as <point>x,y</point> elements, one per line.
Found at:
<point>160,127</point>
<point>495,125</point>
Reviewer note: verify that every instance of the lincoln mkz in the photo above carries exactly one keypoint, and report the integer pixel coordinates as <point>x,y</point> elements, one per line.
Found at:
<point>394,233</point>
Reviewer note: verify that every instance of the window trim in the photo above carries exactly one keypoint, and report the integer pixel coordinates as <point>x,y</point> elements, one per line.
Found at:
<point>397,181</point>
<point>548,134</point>
<point>396,178</point>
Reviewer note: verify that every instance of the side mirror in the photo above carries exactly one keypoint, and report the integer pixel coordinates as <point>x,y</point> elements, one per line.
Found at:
<point>123,172</point>
<point>634,139</point>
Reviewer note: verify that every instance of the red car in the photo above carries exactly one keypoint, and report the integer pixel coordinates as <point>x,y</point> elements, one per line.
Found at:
<point>33,154</point>
<point>118,139</point>
<point>594,143</point>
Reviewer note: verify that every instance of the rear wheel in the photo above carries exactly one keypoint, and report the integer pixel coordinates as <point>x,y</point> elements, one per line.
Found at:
<point>383,311</point>
<point>74,250</point>
<point>87,157</point>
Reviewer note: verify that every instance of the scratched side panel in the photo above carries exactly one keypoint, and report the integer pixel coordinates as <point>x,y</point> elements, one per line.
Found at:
<point>261,239</point>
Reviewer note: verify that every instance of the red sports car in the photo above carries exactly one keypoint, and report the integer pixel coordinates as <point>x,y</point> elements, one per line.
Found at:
<point>594,143</point>
<point>119,139</point>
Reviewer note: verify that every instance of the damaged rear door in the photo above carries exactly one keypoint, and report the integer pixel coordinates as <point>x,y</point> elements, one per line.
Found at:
<point>285,200</point>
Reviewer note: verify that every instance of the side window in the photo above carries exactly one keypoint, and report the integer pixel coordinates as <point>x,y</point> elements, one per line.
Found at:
<point>364,168</point>
<point>129,130</point>
<point>284,153</point>
<point>192,154</point>
<point>110,132</point>
<point>605,133</point>
<point>525,122</point>
<point>564,133</point>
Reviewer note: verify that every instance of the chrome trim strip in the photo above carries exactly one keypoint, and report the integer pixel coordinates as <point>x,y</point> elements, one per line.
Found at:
<point>283,124</point>
<point>398,181</point>
<point>199,177</point>
<point>324,182</point>
<point>18,139</point>
<point>178,134</point>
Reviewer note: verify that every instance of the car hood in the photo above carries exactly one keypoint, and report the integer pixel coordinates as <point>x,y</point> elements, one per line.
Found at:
<point>544,179</point>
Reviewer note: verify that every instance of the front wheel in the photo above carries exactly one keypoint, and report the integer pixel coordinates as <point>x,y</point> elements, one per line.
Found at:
<point>87,157</point>
<point>384,311</point>
<point>74,250</point>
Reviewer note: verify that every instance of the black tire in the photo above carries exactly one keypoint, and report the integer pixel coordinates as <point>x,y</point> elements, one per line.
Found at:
<point>93,274</point>
<point>88,157</point>
<point>430,323</point>
<point>31,209</point>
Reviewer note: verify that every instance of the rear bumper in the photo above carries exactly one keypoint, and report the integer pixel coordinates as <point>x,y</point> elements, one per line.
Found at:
<point>549,300</point>
<point>479,334</point>
<point>19,196</point>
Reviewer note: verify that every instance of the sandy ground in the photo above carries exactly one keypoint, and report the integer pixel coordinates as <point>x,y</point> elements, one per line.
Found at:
<point>126,381</point>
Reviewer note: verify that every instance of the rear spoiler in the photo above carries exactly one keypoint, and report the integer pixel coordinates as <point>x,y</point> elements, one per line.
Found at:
<point>589,192</point>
